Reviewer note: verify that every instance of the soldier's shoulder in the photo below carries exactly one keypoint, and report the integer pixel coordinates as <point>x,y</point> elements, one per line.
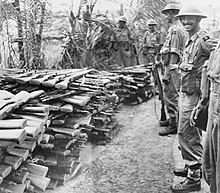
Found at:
<point>204,35</point>
<point>177,29</point>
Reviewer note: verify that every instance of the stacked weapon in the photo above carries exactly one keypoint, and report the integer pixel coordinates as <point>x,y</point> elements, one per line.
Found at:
<point>48,116</point>
<point>55,125</point>
<point>134,85</point>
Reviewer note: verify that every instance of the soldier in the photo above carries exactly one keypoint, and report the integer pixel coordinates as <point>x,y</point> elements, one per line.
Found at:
<point>196,52</point>
<point>151,44</point>
<point>211,158</point>
<point>122,43</point>
<point>171,56</point>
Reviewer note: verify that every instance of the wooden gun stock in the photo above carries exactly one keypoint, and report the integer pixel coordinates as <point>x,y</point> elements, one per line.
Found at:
<point>36,169</point>
<point>51,82</point>
<point>5,170</point>
<point>11,187</point>
<point>22,96</point>
<point>29,145</point>
<point>23,153</point>
<point>65,82</point>
<point>6,145</point>
<point>23,80</point>
<point>13,124</point>
<point>36,109</point>
<point>39,182</point>
<point>13,161</point>
<point>13,134</point>
<point>19,176</point>
<point>4,94</point>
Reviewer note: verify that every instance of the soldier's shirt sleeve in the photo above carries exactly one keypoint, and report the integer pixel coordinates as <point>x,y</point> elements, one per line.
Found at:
<point>177,41</point>
<point>207,44</point>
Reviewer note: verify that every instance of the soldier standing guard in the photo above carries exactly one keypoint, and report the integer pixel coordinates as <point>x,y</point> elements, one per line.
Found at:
<point>171,57</point>
<point>151,44</point>
<point>196,53</point>
<point>122,43</point>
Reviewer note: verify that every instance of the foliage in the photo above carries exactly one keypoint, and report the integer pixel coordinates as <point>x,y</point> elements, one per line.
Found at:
<point>22,30</point>
<point>88,42</point>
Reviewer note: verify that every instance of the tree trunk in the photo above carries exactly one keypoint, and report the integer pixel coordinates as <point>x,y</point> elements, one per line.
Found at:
<point>20,34</point>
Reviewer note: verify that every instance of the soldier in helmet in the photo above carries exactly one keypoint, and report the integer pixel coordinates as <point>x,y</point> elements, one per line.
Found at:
<point>196,52</point>
<point>210,89</point>
<point>152,42</point>
<point>122,43</point>
<point>171,52</point>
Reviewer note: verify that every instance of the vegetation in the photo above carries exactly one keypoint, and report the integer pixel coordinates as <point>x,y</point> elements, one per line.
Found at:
<point>85,43</point>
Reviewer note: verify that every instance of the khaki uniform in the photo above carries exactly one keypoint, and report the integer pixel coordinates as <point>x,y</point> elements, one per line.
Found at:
<point>174,43</point>
<point>211,154</point>
<point>150,46</point>
<point>196,52</point>
<point>122,47</point>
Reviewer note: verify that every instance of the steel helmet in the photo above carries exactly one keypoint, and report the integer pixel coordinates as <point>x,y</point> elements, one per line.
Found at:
<point>122,18</point>
<point>172,5</point>
<point>151,22</point>
<point>191,10</point>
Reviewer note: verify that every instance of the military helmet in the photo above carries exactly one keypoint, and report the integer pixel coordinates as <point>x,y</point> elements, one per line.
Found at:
<point>122,18</point>
<point>192,11</point>
<point>172,5</point>
<point>151,22</point>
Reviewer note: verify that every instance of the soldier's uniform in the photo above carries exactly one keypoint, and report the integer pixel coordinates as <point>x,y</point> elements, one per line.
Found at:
<point>211,153</point>
<point>174,43</point>
<point>122,46</point>
<point>196,53</point>
<point>151,44</point>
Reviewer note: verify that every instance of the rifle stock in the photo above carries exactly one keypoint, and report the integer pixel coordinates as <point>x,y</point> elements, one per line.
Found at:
<point>160,89</point>
<point>5,170</point>
<point>13,124</point>
<point>36,169</point>
<point>39,182</point>
<point>64,84</point>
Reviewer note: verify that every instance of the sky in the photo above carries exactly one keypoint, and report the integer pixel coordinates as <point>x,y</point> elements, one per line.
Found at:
<point>209,7</point>
<point>104,5</point>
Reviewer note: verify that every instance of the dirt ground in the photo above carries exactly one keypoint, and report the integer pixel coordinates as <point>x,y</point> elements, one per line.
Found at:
<point>137,160</point>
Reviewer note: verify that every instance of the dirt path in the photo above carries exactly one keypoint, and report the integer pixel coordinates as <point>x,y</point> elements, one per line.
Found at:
<point>137,160</point>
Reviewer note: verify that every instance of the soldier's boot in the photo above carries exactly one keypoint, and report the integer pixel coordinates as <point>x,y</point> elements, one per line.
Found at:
<point>191,183</point>
<point>182,172</point>
<point>164,123</point>
<point>171,129</point>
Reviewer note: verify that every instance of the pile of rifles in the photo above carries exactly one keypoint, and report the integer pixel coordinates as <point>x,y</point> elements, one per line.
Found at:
<point>48,116</point>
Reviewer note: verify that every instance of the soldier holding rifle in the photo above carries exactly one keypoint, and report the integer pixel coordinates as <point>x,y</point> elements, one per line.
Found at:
<point>196,52</point>
<point>171,57</point>
<point>150,51</point>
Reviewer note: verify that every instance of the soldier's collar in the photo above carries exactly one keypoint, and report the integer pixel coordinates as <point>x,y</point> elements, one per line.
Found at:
<point>195,35</point>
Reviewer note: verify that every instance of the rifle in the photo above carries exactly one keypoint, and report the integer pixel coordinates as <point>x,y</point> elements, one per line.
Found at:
<point>156,77</point>
<point>64,84</point>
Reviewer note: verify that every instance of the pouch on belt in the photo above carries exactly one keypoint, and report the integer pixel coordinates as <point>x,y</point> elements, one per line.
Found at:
<point>175,75</point>
<point>189,82</point>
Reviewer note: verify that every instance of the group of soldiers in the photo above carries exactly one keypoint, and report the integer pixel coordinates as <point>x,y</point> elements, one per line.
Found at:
<point>191,63</point>
<point>190,58</point>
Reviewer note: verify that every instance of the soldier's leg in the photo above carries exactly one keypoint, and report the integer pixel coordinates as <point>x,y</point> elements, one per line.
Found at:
<point>211,153</point>
<point>171,97</point>
<point>190,141</point>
